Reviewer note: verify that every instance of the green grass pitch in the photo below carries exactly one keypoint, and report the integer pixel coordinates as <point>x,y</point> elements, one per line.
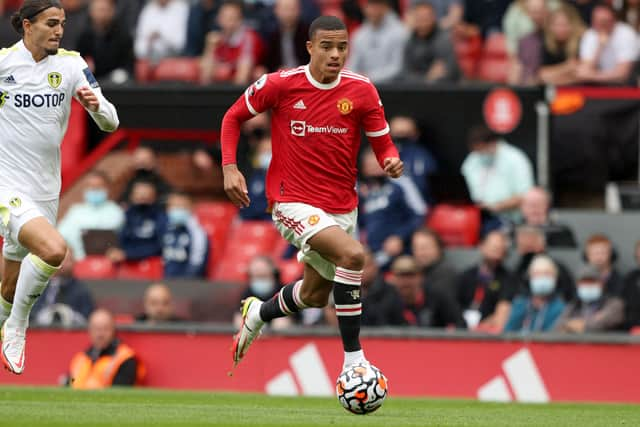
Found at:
<point>144,407</point>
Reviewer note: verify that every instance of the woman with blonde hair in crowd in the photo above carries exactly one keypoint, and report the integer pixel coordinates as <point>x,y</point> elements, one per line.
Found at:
<point>562,33</point>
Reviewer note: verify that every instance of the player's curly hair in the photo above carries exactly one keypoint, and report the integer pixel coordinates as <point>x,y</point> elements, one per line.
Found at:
<point>30,10</point>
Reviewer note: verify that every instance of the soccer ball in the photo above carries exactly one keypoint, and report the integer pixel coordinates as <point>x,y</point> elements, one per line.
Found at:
<point>361,388</point>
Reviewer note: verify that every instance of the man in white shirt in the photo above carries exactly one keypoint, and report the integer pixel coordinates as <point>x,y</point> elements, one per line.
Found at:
<point>608,50</point>
<point>162,29</point>
<point>37,81</point>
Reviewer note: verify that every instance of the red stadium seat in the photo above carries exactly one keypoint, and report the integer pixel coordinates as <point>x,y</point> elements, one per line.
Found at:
<point>94,267</point>
<point>143,70</point>
<point>74,143</point>
<point>215,218</point>
<point>456,225</point>
<point>468,51</point>
<point>495,46</point>
<point>146,269</point>
<point>246,240</point>
<point>178,69</point>
<point>290,270</point>
<point>493,70</point>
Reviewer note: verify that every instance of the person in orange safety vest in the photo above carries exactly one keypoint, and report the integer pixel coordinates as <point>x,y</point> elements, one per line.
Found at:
<point>108,361</point>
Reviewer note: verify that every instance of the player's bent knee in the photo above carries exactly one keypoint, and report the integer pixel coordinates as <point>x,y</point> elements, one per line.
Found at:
<point>54,252</point>
<point>315,298</point>
<point>352,257</point>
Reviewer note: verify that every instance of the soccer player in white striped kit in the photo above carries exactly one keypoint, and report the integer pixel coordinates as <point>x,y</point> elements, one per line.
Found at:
<point>37,82</point>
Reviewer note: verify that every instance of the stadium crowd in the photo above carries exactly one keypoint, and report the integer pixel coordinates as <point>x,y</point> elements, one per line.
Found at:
<point>515,284</point>
<point>524,42</point>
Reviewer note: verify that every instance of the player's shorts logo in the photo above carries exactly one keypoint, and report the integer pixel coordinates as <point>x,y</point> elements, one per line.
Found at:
<point>54,79</point>
<point>313,220</point>
<point>298,127</point>
<point>345,106</point>
<point>15,202</point>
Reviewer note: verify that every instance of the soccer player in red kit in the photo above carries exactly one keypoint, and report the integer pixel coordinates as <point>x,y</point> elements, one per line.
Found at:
<point>318,111</point>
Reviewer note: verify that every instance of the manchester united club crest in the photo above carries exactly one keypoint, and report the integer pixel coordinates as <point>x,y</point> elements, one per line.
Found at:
<point>345,106</point>
<point>313,220</point>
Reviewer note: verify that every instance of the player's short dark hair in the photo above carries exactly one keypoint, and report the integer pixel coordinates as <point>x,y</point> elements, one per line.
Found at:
<point>327,23</point>
<point>30,10</point>
<point>481,134</point>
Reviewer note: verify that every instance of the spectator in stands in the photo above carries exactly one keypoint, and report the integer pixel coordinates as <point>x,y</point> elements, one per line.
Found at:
<point>144,225</point>
<point>108,361</point>
<point>497,174</point>
<point>525,23</point>
<point>186,244</point>
<point>530,241</point>
<point>483,17</point>
<point>66,301</point>
<point>76,16</point>
<point>631,293</point>
<point>485,290</point>
<point>155,38</point>
<point>539,311</point>
<point>428,250</point>
<point>522,18</point>
<point>608,49</point>
<point>449,13</point>
<point>263,281</point>
<point>145,165</point>
<point>159,306</point>
<point>594,310</point>
<point>231,53</point>
<point>600,253</point>
<point>96,212</point>
<point>562,35</point>
<point>630,13</point>
<point>257,210</point>
<point>381,303</point>
<point>535,207</point>
<point>8,36</point>
<point>420,308</point>
<point>419,163</point>
<point>201,20</point>
<point>378,45</point>
<point>107,43</point>
<point>429,56</point>
<point>286,47</point>
<point>391,210</point>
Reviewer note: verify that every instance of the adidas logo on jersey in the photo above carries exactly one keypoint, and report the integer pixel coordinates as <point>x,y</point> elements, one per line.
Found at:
<point>10,80</point>
<point>299,105</point>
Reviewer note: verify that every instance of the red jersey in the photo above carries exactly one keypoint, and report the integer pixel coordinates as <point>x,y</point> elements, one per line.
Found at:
<point>315,135</point>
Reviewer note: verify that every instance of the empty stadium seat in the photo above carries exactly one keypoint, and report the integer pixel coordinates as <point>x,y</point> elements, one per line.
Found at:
<point>94,267</point>
<point>216,218</point>
<point>456,225</point>
<point>146,269</point>
<point>468,51</point>
<point>178,69</point>
<point>74,143</point>
<point>246,240</point>
<point>143,70</point>
<point>494,62</point>
<point>290,270</point>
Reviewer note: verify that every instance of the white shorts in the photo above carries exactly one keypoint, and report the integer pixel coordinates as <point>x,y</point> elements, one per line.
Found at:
<point>16,209</point>
<point>298,222</point>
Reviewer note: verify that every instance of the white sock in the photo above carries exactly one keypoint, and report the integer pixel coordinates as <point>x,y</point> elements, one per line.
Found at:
<point>32,280</point>
<point>353,357</point>
<point>5,308</point>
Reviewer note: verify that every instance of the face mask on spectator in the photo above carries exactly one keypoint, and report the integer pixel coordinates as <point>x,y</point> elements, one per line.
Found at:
<point>178,216</point>
<point>264,160</point>
<point>543,285</point>
<point>487,159</point>
<point>589,293</point>
<point>95,197</point>
<point>262,286</point>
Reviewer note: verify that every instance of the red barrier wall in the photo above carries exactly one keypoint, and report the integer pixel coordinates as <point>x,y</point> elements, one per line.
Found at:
<point>490,370</point>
